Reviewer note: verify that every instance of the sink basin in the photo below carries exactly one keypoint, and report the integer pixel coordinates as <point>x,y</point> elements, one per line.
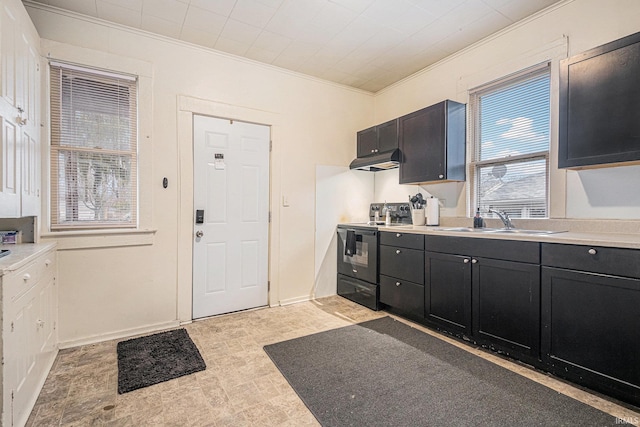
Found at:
<point>497,230</point>
<point>520,231</point>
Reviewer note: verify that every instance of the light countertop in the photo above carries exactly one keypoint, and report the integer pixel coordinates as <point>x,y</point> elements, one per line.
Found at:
<point>619,240</point>
<point>21,255</point>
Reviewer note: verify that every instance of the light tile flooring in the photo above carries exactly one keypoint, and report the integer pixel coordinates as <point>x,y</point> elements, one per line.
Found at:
<point>240,387</point>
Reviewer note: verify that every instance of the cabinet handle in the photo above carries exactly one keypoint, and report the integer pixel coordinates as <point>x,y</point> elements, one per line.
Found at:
<point>47,263</point>
<point>40,323</point>
<point>397,251</point>
<point>466,260</point>
<point>592,251</point>
<point>26,277</point>
<point>377,150</point>
<point>440,176</point>
<point>354,270</point>
<point>397,283</point>
<point>398,235</point>
<point>474,261</point>
<point>373,151</point>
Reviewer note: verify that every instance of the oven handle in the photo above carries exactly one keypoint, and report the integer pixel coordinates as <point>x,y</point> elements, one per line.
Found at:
<point>363,232</point>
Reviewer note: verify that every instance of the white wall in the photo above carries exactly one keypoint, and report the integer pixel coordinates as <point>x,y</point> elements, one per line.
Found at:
<point>111,291</point>
<point>603,193</point>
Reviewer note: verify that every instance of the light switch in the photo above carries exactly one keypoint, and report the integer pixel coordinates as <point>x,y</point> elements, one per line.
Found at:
<point>285,201</point>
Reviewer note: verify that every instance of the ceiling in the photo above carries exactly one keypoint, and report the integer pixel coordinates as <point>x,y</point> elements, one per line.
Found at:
<point>366,44</point>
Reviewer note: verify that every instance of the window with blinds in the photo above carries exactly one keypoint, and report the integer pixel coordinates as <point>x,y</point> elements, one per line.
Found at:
<point>510,131</point>
<point>93,148</point>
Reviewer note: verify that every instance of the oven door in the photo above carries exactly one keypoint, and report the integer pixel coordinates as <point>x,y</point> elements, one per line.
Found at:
<point>363,262</point>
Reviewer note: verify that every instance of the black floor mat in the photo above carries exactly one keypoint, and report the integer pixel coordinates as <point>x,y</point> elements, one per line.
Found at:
<point>386,373</point>
<point>156,358</point>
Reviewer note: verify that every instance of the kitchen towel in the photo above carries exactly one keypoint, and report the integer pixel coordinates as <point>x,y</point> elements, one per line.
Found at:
<point>350,247</point>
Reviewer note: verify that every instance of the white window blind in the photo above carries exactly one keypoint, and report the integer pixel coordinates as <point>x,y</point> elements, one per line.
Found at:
<point>510,135</point>
<point>93,148</point>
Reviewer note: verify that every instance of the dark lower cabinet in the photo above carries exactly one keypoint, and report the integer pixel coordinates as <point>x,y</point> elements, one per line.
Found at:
<point>447,299</point>
<point>403,296</point>
<point>506,307</point>
<point>402,273</point>
<point>591,330</point>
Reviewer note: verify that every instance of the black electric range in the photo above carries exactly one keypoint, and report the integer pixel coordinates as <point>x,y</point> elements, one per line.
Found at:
<point>358,253</point>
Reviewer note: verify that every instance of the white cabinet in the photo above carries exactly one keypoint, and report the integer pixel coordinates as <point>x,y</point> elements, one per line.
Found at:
<point>29,334</point>
<point>20,103</point>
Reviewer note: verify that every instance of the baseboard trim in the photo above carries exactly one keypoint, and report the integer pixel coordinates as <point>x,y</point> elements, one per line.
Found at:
<point>126,333</point>
<point>294,300</point>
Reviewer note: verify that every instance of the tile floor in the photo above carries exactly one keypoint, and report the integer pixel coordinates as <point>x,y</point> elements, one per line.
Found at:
<point>240,387</point>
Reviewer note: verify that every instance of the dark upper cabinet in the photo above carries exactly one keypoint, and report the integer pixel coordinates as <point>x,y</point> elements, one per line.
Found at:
<point>378,139</point>
<point>600,106</point>
<point>432,143</point>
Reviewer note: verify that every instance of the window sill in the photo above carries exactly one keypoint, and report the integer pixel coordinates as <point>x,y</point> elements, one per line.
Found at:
<point>86,239</point>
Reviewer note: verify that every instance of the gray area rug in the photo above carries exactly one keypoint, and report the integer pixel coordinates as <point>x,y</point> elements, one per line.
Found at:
<point>386,373</point>
<point>156,358</point>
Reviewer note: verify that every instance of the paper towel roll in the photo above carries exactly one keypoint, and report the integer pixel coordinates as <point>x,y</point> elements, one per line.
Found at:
<point>433,211</point>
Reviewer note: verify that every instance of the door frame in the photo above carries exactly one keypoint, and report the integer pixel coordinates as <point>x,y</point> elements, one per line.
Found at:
<point>187,107</point>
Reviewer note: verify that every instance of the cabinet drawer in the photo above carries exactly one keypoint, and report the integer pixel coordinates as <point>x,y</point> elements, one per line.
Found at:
<point>506,250</point>
<point>403,240</point>
<point>23,279</point>
<point>595,259</point>
<point>402,263</point>
<point>403,295</point>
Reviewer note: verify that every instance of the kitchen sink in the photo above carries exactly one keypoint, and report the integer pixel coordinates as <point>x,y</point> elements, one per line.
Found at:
<point>497,230</point>
<point>520,231</point>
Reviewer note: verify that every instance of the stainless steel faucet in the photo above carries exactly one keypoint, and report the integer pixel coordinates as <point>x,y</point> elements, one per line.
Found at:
<point>504,217</point>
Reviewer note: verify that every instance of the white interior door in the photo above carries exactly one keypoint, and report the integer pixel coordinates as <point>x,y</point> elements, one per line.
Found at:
<point>231,187</point>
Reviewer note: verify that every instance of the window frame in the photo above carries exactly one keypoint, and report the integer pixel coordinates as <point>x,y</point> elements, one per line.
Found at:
<point>475,165</point>
<point>55,146</point>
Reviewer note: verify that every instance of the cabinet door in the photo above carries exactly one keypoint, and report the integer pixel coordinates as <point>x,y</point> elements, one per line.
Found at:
<point>589,330</point>
<point>422,145</point>
<point>506,305</point>
<point>448,292</point>
<point>405,296</point>
<point>599,121</point>
<point>10,166</point>
<point>388,136</point>
<point>367,142</point>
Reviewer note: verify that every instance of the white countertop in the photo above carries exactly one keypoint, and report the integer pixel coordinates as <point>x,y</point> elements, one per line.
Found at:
<point>619,240</point>
<point>21,254</point>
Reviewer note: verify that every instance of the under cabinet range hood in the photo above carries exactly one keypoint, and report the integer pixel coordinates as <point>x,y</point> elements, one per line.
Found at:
<point>377,162</point>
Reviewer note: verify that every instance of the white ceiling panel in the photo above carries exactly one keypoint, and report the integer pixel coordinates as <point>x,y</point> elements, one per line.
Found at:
<point>169,10</point>
<point>367,44</point>
<point>127,4</point>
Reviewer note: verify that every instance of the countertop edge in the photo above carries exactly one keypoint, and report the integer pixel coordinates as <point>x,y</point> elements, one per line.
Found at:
<point>22,254</point>
<point>628,241</point>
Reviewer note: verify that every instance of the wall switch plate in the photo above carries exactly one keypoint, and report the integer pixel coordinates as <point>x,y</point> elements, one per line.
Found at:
<point>285,201</point>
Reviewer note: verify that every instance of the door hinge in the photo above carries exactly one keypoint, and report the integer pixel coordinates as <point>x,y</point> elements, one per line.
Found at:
<point>270,146</point>
<point>268,285</point>
<point>11,326</point>
<point>269,216</point>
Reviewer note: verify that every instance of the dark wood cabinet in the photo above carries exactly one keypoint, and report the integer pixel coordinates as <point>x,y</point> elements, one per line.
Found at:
<point>506,306</point>
<point>599,120</point>
<point>590,314</point>
<point>432,143</point>
<point>498,281</point>
<point>402,273</point>
<point>447,298</point>
<point>402,295</point>
<point>378,139</point>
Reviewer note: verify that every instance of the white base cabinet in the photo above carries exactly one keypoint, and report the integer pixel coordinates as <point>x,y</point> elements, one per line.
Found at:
<point>29,333</point>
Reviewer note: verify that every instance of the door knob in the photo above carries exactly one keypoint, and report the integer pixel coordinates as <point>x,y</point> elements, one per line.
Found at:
<point>199,233</point>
